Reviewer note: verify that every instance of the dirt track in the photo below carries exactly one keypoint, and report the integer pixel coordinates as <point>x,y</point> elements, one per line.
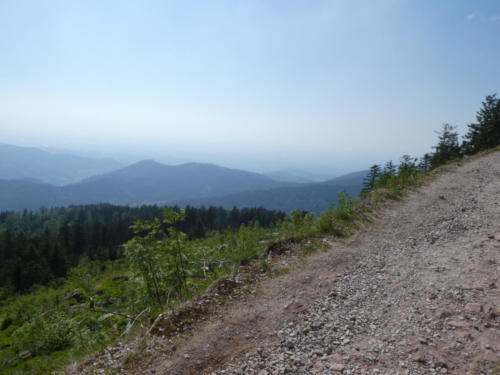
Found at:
<point>416,294</point>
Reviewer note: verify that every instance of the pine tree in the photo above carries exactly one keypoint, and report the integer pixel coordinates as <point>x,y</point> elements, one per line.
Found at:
<point>407,165</point>
<point>486,132</point>
<point>369,180</point>
<point>447,148</point>
<point>390,169</point>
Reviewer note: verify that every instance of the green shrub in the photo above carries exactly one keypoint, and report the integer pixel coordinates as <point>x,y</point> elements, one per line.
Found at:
<point>160,257</point>
<point>44,334</point>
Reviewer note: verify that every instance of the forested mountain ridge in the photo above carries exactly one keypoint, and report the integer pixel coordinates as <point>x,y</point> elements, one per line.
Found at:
<point>151,182</point>
<point>145,182</point>
<point>34,164</point>
<point>314,197</point>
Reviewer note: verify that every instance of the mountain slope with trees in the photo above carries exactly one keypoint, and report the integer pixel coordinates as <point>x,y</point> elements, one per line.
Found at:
<point>152,182</point>
<point>313,197</point>
<point>145,182</point>
<point>40,247</point>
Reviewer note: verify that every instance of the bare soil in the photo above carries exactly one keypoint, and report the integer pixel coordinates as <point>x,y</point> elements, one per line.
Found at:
<point>415,293</point>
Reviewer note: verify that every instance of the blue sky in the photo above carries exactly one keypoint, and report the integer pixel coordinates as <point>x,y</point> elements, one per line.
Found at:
<point>262,85</point>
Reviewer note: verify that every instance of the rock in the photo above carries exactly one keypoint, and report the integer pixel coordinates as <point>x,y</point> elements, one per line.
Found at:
<point>423,341</point>
<point>463,336</point>
<point>442,313</point>
<point>339,367</point>
<point>474,286</point>
<point>457,324</point>
<point>25,354</point>
<point>281,246</point>
<point>222,287</point>
<point>419,357</point>
<point>77,307</point>
<point>491,311</point>
<point>75,294</point>
<point>473,308</point>
<point>440,361</point>
<point>104,317</point>
<point>318,367</point>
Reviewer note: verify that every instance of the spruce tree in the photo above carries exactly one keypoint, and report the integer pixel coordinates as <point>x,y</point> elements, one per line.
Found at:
<point>371,177</point>
<point>447,148</point>
<point>390,169</point>
<point>486,132</point>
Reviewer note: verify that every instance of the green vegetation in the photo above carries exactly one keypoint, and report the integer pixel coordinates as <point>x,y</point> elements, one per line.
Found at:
<point>40,247</point>
<point>160,258</point>
<point>101,300</point>
<point>172,255</point>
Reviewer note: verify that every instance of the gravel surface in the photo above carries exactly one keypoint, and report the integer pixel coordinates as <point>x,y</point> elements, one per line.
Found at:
<point>424,299</point>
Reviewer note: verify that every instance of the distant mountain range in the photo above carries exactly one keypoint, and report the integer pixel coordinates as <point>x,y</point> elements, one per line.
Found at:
<point>36,165</point>
<point>145,182</point>
<point>150,182</point>
<point>314,197</point>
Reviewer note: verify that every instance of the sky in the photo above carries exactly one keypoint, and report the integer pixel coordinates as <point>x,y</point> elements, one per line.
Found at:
<point>325,86</point>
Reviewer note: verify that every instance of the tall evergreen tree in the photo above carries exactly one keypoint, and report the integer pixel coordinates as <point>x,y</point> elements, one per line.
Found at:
<point>486,132</point>
<point>369,180</point>
<point>390,169</point>
<point>447,148</point>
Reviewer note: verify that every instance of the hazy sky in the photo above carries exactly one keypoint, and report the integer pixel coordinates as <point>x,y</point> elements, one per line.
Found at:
<point>252,84</point>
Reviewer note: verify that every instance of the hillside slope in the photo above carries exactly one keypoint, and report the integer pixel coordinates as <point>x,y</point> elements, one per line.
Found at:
<point>417,293</point>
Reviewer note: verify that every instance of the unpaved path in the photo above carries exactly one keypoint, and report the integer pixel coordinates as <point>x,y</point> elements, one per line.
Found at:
<point>418,293</point>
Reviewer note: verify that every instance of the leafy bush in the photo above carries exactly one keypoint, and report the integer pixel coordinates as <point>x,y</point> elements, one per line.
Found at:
<point>160,257</point>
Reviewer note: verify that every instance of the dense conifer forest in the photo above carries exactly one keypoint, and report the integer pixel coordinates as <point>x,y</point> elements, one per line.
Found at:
<point>40,247</point>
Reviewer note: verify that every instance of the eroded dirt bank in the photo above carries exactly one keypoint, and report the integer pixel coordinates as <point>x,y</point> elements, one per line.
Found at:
<point>416,294</point>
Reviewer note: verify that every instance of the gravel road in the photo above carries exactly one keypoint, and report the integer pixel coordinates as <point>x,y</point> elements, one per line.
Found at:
<point>422,299</point>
